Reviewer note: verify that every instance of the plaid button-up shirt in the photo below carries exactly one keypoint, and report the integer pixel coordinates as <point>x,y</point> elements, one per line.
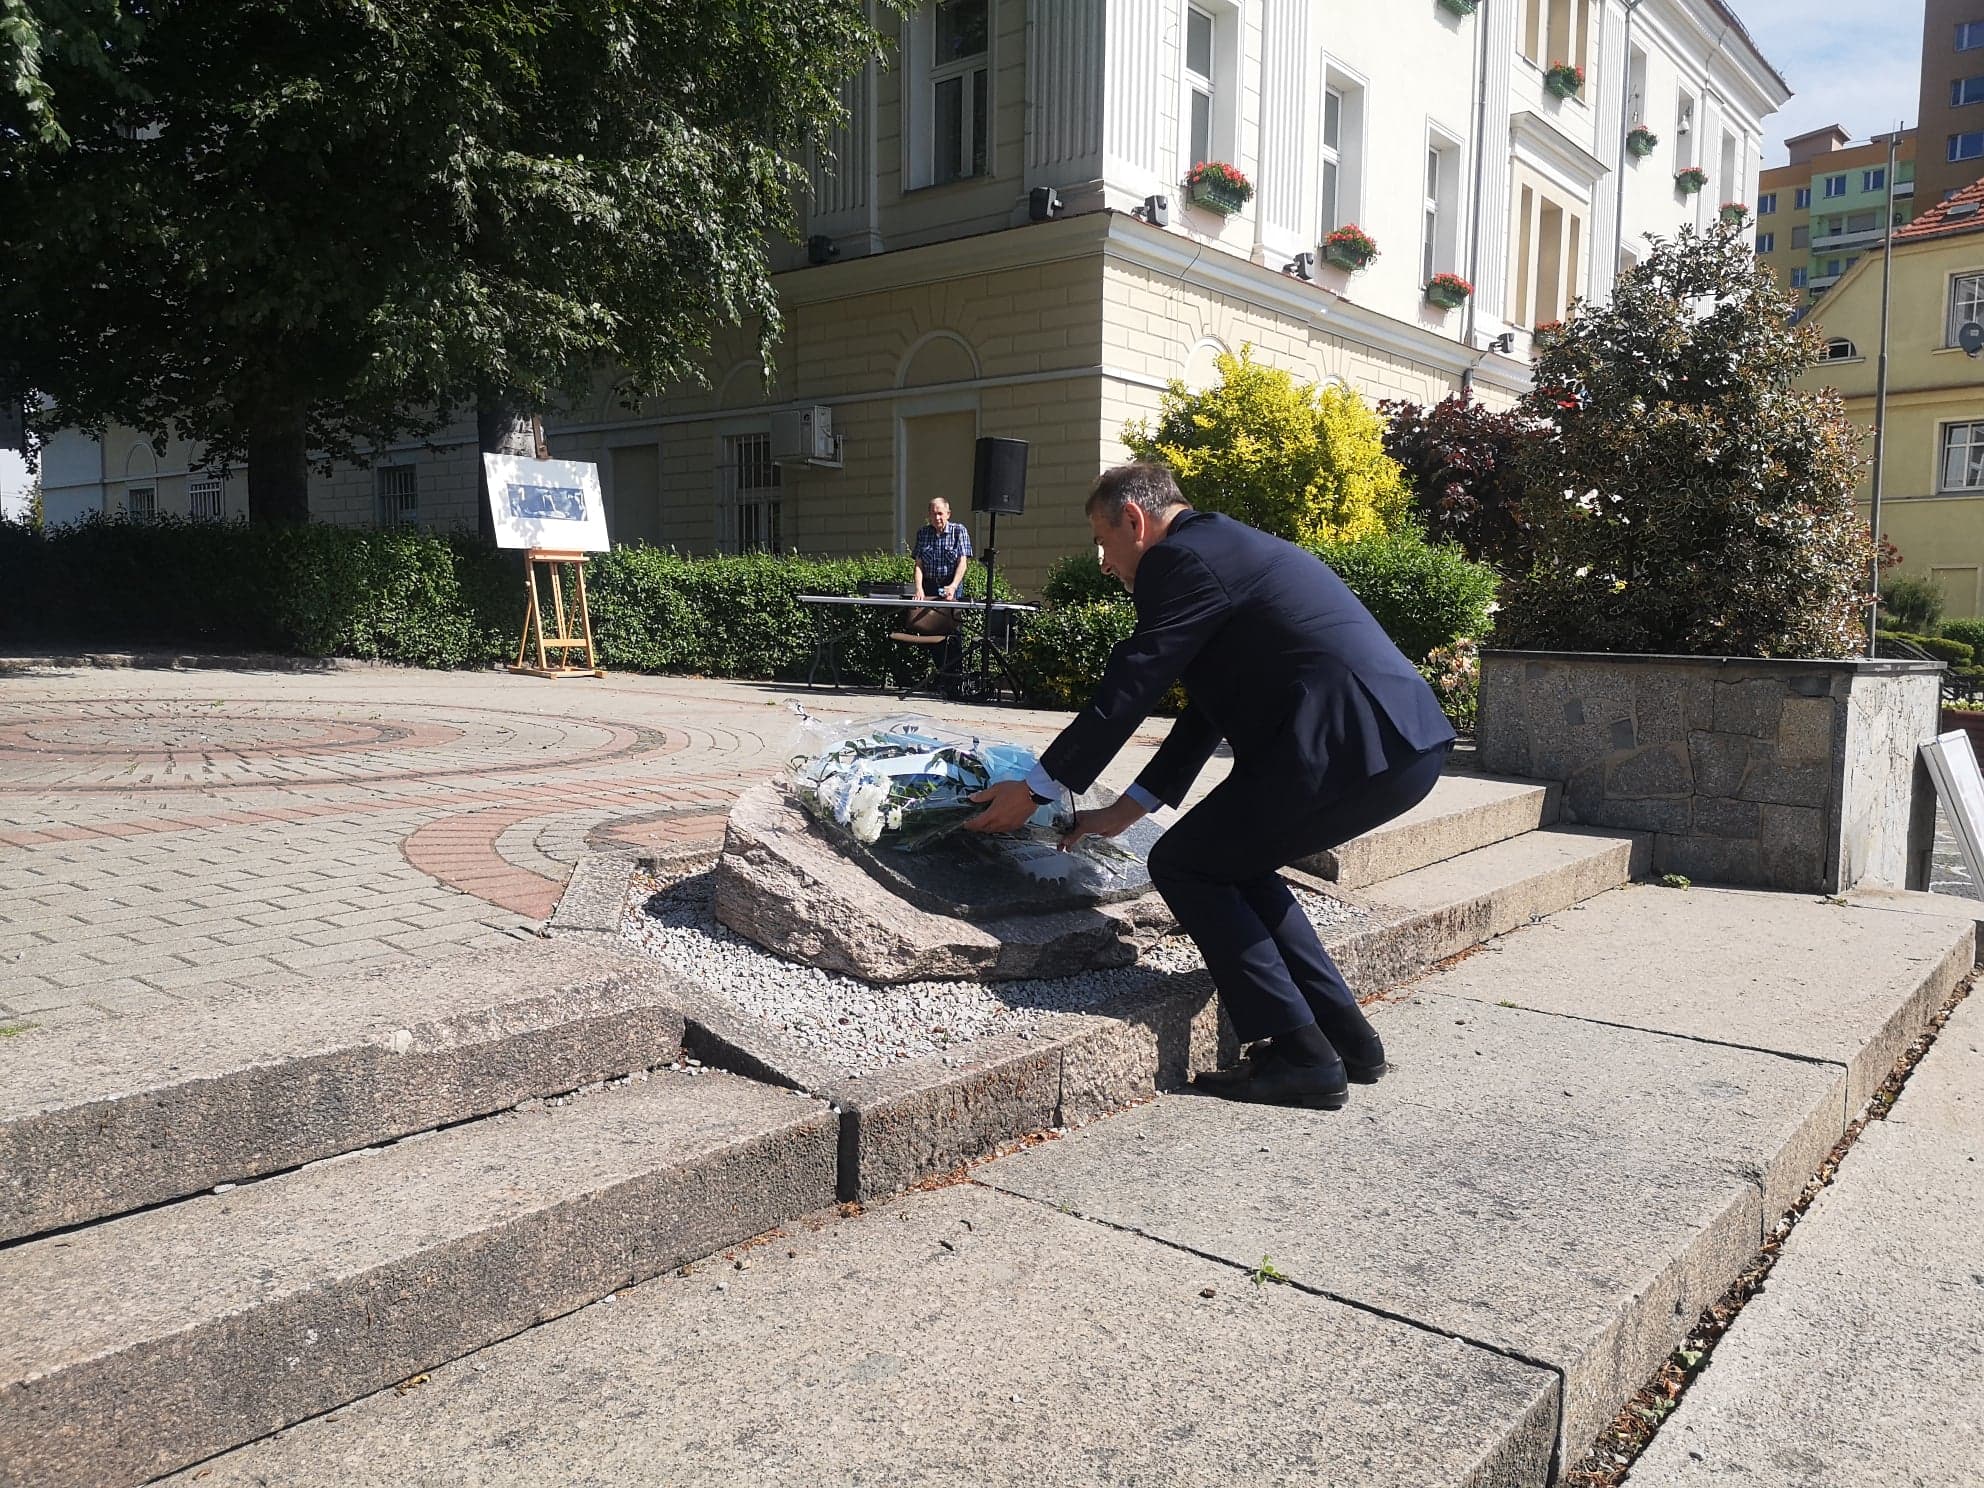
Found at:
<point>937,554</point>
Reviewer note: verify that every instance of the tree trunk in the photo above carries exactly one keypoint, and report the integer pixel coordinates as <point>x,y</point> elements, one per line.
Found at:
<point>278,467</point>
<point>495,412</point>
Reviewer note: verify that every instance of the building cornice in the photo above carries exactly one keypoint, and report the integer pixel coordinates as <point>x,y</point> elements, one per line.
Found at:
<point>1540,143</point>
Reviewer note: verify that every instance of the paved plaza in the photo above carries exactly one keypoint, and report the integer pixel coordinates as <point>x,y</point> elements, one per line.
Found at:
<point>181,834</point>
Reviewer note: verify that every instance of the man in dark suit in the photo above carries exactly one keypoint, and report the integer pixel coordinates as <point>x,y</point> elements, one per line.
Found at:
<point>1333,732</point>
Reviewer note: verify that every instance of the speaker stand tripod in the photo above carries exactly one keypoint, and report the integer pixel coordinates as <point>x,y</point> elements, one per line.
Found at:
<point>990,655</point>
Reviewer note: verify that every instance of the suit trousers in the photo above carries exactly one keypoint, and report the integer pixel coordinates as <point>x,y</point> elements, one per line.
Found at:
<point>1217,869</point>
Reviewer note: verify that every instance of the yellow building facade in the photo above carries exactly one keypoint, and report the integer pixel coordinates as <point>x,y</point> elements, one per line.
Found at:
<point>1932,499</point>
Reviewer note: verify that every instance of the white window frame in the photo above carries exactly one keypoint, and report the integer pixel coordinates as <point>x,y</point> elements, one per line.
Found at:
<point>206,497</point>
<point>1767,204</point>
<point>1971,435</point>
<point>1957,145</point>
<point>1800,276</point>
<point>1766,242</point>
<point>1839,349</point>
<point>1201,85</point>
<point>1346,157</point>
<point>750,492</point>
<point>1439,248</point>
<point>1838,181</point>
<point>1801,198</point>
<point>1875,179</point>
<point>396,495</point>
<point>925,76</point>
<point>1969,35</point>
<point>1963,94</point>
<point>141,511</point>
<point>1966,302</point>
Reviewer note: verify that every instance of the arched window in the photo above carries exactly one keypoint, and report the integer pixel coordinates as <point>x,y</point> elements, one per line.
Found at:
<point>1839,349</point>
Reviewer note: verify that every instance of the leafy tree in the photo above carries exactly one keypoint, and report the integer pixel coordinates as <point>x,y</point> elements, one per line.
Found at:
<point>1692,498</point>
<point>1303,462</point>
<point>322,225</point>
<point>1463,461</point>
<point>1913,604</point>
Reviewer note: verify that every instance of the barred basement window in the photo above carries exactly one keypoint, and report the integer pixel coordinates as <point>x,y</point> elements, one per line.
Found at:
<point>399,496</point>
<point>750,517</point>
<point>206,496</point>
<point>141,503</point>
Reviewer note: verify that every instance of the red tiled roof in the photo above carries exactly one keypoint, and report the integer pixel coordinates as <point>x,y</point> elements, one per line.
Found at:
<point>1938,223</point>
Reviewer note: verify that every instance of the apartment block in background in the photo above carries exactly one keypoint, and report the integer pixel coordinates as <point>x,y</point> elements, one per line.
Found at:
<point>1820,212</point>
<point>1000,240</point>
<point>1950,116</point>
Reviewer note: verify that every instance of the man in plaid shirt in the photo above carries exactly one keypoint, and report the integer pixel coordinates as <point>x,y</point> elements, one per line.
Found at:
<point>941,553</point>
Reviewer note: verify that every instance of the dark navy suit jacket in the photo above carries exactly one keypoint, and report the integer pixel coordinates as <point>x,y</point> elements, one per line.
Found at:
<point>1278,658</point>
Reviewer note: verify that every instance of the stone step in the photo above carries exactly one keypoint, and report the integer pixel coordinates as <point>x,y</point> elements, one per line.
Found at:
<point>1465,811</point>
<point>906,1123</point>
<point>1480,1258</point>
<point>953,1337</point>
<point>108,1118</point>
<point>1588,1129</point>
<point>139,1345</point>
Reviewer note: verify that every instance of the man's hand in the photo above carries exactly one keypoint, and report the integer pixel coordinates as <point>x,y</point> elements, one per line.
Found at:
<point>1007,806</point>
<point>1115,818</point>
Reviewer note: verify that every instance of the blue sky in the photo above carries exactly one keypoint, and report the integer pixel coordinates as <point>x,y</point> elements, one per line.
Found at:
<point>1849,62</point>
<point>1852,63</point>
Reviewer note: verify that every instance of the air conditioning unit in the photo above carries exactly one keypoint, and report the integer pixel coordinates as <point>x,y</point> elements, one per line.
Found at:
<point>805,436</point>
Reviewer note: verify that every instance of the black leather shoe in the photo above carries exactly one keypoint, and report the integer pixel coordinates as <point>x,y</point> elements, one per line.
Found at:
<point>1365,1074</point>
<point>1219,1081</point>
<point>1276,1082</point>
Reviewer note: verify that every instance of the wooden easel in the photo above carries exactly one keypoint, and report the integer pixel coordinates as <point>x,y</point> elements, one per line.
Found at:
<point>560,641</point>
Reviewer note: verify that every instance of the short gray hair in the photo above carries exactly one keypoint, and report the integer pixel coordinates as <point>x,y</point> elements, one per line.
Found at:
<point>1150,486</point>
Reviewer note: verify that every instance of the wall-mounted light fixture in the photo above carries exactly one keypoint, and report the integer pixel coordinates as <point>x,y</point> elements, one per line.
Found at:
<point>1042,203</point>
<point>1302,266</point>
<point>1504,343</point>
<point>821,249</point>
<point>1156,210</point>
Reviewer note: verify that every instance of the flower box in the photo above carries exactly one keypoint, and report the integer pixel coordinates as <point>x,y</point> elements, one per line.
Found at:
<point>1691,180</point>
<point>1546,334</point>
<point>1734,212</point>
<point>1218,187</point>
<point>1641,141</point>
<point>1564,79</point>
<point>1460,7</point>
<point>1448,291</point>
<point>1350,247</point>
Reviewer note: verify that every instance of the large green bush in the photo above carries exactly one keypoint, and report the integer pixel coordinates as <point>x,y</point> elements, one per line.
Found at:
<point>1913,604</point>
<point>1079,579</point>
<point>1691,497</point>
<point>1969,631</point>
<point>1304,462</point>
<point>1425,595</point>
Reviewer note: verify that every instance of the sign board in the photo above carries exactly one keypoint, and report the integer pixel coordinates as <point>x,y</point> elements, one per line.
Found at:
<point>1953,766</point>
<point>549,504</point>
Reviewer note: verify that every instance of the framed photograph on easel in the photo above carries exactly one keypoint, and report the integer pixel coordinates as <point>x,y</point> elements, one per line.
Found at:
<point>553,510</point>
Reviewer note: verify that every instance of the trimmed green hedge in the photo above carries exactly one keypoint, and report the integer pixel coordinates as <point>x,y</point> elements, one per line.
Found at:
<point>433,600</point>
<point>1969,631</point>
<point>1942,647</point>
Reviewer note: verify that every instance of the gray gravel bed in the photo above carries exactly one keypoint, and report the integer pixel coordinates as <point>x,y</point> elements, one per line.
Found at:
<point>860,1027</point>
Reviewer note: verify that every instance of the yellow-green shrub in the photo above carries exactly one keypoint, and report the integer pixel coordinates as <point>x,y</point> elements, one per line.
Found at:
<point>1303,462</point>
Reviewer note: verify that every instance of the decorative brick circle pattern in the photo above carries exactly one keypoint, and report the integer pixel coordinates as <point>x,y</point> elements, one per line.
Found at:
<point>103,745</point>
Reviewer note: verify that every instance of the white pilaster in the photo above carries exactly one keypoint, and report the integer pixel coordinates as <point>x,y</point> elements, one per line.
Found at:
<point>1291,94</point>
<point>1491,280</point>
<point>1065,71</point>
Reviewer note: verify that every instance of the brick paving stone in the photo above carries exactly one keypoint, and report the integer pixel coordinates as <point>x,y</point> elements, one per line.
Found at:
<point>305,838</point>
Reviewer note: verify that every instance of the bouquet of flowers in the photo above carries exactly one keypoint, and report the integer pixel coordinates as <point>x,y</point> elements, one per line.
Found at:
<point>903,778</point>
<point>907,782</point>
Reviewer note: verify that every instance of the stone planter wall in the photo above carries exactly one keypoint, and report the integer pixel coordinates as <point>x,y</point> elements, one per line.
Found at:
<point>1799,775</point>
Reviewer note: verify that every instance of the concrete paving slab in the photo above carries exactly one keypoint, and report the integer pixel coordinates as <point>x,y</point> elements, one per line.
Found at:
<point>864,1359</point>
<point>1791,973</point>
<point>142,1344</point>
<point>1947,1087</point>
<point>107,1118</point>
<point>1569,1193</point>
<point>1861,1365</point>
<point>1465,811</point>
